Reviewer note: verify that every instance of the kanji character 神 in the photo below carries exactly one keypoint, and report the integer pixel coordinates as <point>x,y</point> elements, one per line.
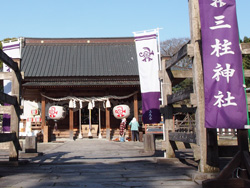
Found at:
<point>227,73</point>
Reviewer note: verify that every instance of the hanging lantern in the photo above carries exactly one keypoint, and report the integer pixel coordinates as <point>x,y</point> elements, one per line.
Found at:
<point>38,119</point>
<point>121,111</point>
<point>30,119</point>
<point>57,112</point>
<point>34,112</point>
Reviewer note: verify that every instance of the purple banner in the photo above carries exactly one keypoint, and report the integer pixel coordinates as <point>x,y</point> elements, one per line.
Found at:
<point>150,107</point>
<point>225,101</point>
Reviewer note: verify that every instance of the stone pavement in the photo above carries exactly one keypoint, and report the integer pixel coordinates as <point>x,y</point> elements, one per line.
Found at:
<point>96,163</point>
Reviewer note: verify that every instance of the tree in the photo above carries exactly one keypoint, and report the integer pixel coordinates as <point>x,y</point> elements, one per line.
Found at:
<point>171,47</point>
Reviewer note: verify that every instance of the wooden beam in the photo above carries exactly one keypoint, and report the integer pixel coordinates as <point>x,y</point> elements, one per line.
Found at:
<point>177,57</point>
<point>247,160</point>
<point>245,48</point>
<point>7,137</point>
<point>161,73</point>
<point>190,50</point>
<point>212,148</point>
<point>12,100</point>
<point>193,99</point>
<point>248,98</point>
<point>5,110</point>
<point>179,96</point>
<point>182,73</point>
<point>184,109</point>
<point>8,99</point>
<point>247,73</point>
<point>11,137</point>
<point>5,75</point>
<point>8,61</point>
<point>182,137</point>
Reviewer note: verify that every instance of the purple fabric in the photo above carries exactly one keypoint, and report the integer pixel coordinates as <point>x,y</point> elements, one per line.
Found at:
<point>6,121</point>
<point>146,37</point>
<point>225,101</point>
<point>150,107</point>
<point>14,46</point>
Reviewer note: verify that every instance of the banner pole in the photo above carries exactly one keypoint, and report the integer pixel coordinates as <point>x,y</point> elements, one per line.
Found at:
<point>161,81</point>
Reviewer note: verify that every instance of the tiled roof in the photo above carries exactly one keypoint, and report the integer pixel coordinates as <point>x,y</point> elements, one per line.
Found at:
<point>79,59</point>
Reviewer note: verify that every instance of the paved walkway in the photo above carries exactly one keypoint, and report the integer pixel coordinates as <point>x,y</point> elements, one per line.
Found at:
<point>97,163</point>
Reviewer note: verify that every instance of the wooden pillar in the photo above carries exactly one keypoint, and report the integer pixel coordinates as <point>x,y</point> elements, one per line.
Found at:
<point>43,106</point>
<point>201,133</point>
<point>149,143</point>
<point>136,115</point>
<point>107,123</point>
<point>168,110</point>
<point>14,121</point>
<point>45,128</point>
<point>71,123</point>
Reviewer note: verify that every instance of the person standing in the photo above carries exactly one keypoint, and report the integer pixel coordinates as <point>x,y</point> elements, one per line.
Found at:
<point>135,129</point>
<point>122,130</point>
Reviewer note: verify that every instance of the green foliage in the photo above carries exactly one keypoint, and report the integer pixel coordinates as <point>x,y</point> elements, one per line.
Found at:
<point>246,61</point>
<point>182,86</point>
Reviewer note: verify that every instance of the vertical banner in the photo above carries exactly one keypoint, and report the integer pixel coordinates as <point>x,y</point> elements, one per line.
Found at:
<point>12,49</point>
<point>148,64</point>
<point>225,101</point>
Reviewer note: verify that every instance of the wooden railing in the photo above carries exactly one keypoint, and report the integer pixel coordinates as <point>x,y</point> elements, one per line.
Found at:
<point>14,110</point>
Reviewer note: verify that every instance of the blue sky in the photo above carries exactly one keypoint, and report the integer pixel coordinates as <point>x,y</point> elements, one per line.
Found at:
<point>101,18</point>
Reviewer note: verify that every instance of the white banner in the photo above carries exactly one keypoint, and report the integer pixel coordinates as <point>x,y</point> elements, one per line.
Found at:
<point>148,60</point>
<point>148,64</point>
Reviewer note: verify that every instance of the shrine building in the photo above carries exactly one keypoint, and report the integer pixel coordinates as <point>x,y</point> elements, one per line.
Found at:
<point>75,73</point>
